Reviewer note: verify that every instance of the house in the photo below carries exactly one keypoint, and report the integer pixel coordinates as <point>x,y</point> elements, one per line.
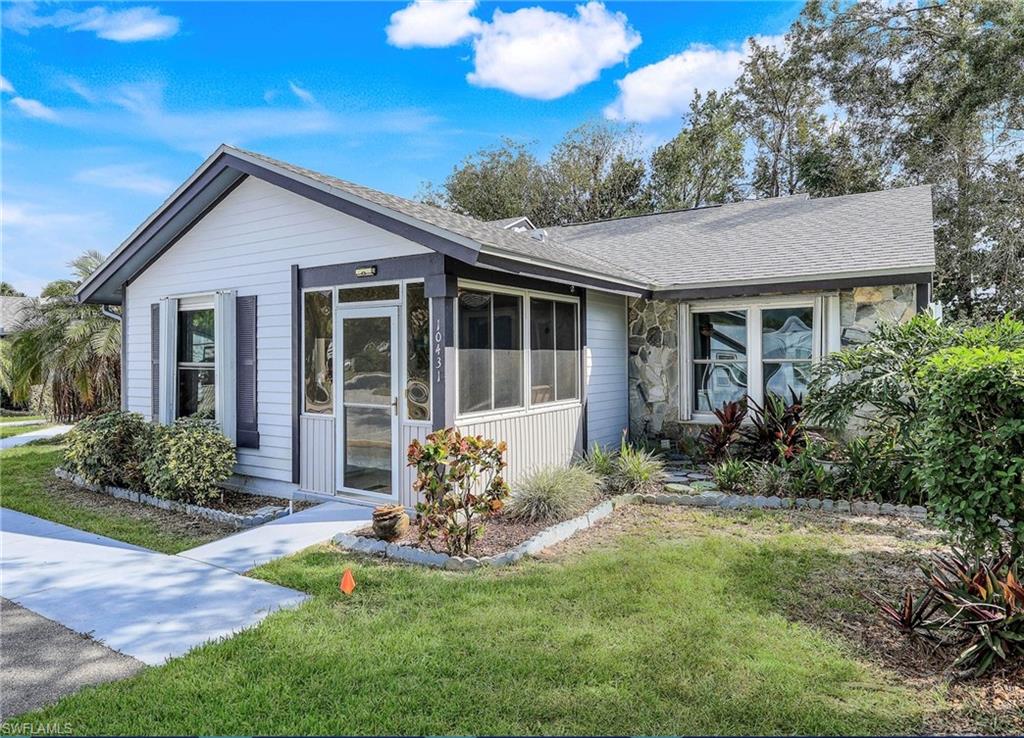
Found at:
<point>324,325</point>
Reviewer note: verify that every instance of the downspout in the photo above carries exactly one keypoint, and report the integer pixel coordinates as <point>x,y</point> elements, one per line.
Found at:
<point>109,313</point>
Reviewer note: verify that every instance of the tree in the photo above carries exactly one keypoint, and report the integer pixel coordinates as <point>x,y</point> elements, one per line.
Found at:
<point>940,89</point>
<point>837,165</point>
<point>780,111</point>
<point>703,164</point>
<point>70,350</point>
<point>7,290</point>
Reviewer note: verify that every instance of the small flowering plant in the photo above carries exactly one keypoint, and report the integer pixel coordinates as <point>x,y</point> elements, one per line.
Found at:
<point>460,481</point>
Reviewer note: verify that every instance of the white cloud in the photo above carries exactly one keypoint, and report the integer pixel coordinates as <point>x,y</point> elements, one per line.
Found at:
<point>665,88</point>
<point>5,85</point>
<point>141,23</point>
<point>541,54</point>
<point>433,23</point>
<point>34,108</point>
<point>303,94</point>
<point>131,177</point>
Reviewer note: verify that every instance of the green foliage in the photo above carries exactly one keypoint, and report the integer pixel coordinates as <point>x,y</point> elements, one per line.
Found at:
<point>807,475</point>
<point>601,461</point>
<point>460,480</point>
<point>638,470</point>
<point>71,350</point>
<point>972,444</point>
<point>553,493</point>
<point>768,479</point>
<point>188,460</point>
<point>731,475</point>
<point>108,449</point>
<point>877,467</point>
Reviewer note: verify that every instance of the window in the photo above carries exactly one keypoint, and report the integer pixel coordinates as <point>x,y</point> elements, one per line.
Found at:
<point>318,351</point>
<point>719,359</point>
<point>554,351</point>
<point>196,388</point>
<point>786,348</point>
<point>417,353</point>
<point>490,351</point>
<point>369,293</point>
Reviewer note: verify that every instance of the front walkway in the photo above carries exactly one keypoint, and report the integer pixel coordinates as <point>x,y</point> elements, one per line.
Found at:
<point>281,537</point>
<point>147,605</point>
<point>23,438</point>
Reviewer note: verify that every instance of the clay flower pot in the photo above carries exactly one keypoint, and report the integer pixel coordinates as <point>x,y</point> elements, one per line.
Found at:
<point>390,522</point>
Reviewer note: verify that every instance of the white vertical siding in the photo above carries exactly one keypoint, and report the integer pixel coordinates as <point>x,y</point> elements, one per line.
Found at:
<point>316,453</point>
<point>248,243</point>
<point>539,438</point>
<point>407,475</point>
<point>606,368</point>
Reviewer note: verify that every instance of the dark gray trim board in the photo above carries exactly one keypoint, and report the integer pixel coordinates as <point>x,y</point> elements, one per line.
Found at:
<point>124,354</point>
<point>838,283</point>
<point>521,269</point>
<point>296,370</point>
<point>388,269</point>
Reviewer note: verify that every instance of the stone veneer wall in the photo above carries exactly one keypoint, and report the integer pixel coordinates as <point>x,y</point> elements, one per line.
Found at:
<point>654,350</point>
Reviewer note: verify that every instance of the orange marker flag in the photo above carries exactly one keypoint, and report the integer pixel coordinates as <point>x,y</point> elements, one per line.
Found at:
<point>348,582</point>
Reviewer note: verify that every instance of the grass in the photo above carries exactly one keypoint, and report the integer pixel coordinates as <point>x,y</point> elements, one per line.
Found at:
<point>6,431</point>
<point>648,633</point>
<point>16,418</point>
<point>29,486</point>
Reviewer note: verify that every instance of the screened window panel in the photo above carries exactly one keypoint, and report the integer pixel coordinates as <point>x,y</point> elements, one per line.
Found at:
<point>195,336</point>
<point>369,293</point>
<point>318,347</point>
<point>542,351</point>
<point>417,353</point>
<point>508,351</point>
<point>567,360</point>
<point>474,351</point>
<point>196,393</point>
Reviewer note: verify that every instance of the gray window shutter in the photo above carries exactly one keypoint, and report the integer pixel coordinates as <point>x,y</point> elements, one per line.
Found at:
<point>247,426</point>
<point>154,353</point>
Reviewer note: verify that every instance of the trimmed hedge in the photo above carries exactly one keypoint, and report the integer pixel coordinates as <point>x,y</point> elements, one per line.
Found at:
<point>108,449</point>
<point>972,444</point>
<point>188,460</point>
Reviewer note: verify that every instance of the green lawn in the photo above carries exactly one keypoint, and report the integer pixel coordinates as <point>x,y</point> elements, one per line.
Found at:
<point>16,418</point>
<point>16,430</point>
<point>28,485</point>
<point>642,633</point>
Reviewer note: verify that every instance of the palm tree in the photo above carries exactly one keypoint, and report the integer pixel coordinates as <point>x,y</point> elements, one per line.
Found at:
<point>71,351</point>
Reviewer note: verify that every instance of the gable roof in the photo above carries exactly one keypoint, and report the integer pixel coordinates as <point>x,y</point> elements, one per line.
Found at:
<point>772,241</point>
<point>519,221</point>
<point>782,240</point>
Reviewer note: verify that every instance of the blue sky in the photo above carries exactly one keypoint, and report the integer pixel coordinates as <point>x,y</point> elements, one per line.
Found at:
<point>107,108</point>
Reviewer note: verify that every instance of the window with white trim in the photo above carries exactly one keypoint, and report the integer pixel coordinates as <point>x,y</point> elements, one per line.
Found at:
<point>516,349</point>
<point>196,386</point>
<point>750,350</point>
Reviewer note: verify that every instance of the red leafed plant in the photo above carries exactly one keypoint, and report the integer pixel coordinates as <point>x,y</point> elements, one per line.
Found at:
<point>718,440</point>
<point>460,480</point>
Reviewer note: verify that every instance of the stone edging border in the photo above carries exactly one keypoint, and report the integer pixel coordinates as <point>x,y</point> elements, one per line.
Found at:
<point>236,520</point>
<point>561,531</point>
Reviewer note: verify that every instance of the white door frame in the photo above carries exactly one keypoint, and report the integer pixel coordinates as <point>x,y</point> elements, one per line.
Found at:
<point>341,313</point>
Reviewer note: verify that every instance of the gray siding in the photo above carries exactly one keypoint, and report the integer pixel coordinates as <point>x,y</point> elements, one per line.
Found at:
<point>606,368</point>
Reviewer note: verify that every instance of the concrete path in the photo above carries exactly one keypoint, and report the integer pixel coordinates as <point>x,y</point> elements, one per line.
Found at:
<point>23,438</point>
<point>19,423</point>
<point>42,661</point>
<point>281,537</point>
<point>147,605</point>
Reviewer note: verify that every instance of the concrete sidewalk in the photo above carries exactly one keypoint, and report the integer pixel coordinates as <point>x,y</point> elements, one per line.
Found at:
<point>22,438</point>
<point>282,537</point>
<point>147,605</point>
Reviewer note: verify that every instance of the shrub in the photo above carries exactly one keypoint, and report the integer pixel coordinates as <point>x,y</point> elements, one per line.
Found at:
<point>731,475</point>
<point>775,431</point>
<point>768,479</point>
<point>188,460</point>
<point>601,461</point>
<point>638,470</point>
<point>877,466</point>
<point>972,444</point>
<point>718,441</point>
<point>553,493</point>
<point>109,448</point>
<point>460,480</point>
<point>807,475</point>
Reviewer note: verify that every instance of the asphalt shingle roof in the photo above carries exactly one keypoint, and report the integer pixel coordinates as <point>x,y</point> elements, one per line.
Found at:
<point>767,241</point>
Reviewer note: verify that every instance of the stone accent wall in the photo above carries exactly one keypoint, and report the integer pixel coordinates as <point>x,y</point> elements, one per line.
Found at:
<point>863,308</point>
<point>653,368</point>
<point>654,350</point>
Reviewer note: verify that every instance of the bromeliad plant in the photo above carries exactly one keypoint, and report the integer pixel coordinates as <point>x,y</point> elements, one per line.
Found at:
<point>460,480</point>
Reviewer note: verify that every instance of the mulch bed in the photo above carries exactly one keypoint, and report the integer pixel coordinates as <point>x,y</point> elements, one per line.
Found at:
<point>500,534</point>
<point>243,502</point>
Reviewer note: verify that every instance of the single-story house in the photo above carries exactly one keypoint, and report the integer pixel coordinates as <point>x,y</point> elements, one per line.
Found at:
<point>324,325</point>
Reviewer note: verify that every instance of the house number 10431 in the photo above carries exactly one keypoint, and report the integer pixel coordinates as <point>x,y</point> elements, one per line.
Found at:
<point>438,352</point>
